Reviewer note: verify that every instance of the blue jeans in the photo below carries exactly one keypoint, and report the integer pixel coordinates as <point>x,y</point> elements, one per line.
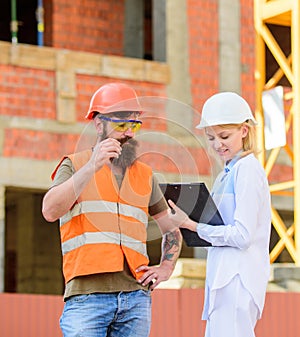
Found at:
<point>121,314</point>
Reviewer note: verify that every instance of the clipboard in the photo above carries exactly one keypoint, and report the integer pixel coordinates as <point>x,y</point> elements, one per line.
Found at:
<point>195,200</point>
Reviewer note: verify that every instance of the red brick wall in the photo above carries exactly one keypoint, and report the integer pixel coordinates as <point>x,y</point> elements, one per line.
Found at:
<point>43,145</point>
<point>247,34</point>
<point>40,145</point>
<point>93,25</point>
<point>27,92</point>
<point>203,49</point>
<point>31,93</point>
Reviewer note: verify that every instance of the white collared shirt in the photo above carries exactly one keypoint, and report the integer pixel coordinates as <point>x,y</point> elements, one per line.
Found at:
<point>241,193</point>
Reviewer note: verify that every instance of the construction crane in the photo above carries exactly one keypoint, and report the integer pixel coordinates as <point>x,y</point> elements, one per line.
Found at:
<point>284,13</point>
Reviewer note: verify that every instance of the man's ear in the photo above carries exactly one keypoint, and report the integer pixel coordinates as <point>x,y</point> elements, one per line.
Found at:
<point>98,125</point>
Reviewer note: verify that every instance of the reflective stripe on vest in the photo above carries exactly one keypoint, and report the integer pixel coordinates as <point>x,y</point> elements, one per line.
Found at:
<point>105,206</point>
<point>103,237</point>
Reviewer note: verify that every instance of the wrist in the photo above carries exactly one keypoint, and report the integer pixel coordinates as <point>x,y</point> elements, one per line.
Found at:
<point>191,225</point>
<point>168,264</point>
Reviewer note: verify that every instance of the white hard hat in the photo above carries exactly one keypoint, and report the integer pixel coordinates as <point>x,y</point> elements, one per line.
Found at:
<point>225,108</point>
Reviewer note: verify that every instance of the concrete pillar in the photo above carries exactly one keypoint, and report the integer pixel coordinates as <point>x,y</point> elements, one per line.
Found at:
<point>229,46</point>
<point>178,59</point>
<point>134,29</point>
<point>159,30</point>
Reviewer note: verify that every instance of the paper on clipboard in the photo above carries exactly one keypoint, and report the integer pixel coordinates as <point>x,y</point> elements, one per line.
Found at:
<point>196,201</point>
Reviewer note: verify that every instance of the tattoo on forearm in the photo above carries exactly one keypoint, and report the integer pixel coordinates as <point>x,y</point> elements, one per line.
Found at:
<point>171,245</point>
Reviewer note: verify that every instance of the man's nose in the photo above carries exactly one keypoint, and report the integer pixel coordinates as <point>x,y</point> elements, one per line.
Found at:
<point>129,132</point>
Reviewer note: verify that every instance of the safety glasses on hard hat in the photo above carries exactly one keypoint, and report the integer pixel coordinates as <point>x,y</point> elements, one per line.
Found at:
<point>122,125</point>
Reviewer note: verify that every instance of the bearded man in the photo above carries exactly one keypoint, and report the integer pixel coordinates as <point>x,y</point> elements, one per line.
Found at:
<point>103,197</point>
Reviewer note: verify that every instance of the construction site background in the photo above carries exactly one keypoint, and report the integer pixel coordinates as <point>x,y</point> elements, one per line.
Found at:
<point>52,58</point>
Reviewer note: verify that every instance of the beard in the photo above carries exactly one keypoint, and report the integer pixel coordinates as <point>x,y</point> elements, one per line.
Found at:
<point>128,154</point>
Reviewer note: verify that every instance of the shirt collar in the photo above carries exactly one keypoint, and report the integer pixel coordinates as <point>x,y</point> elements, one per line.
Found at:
<point>228,167</point>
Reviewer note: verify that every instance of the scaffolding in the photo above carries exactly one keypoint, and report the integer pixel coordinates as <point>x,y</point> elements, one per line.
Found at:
<point>282,13</point>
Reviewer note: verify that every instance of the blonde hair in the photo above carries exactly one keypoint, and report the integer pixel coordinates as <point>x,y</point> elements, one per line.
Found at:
<point>249,142</point>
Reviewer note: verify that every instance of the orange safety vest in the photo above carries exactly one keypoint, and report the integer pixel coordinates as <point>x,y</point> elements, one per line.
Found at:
<point>107,223</point>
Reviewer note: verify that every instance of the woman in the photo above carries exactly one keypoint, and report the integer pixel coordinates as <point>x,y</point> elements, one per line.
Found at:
<point>238,261</point>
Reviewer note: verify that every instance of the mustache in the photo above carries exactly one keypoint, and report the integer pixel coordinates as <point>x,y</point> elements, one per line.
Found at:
<point>127,141</point>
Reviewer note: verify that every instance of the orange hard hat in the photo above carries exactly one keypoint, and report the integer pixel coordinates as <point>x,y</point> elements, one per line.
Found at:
<point>111,97</point>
